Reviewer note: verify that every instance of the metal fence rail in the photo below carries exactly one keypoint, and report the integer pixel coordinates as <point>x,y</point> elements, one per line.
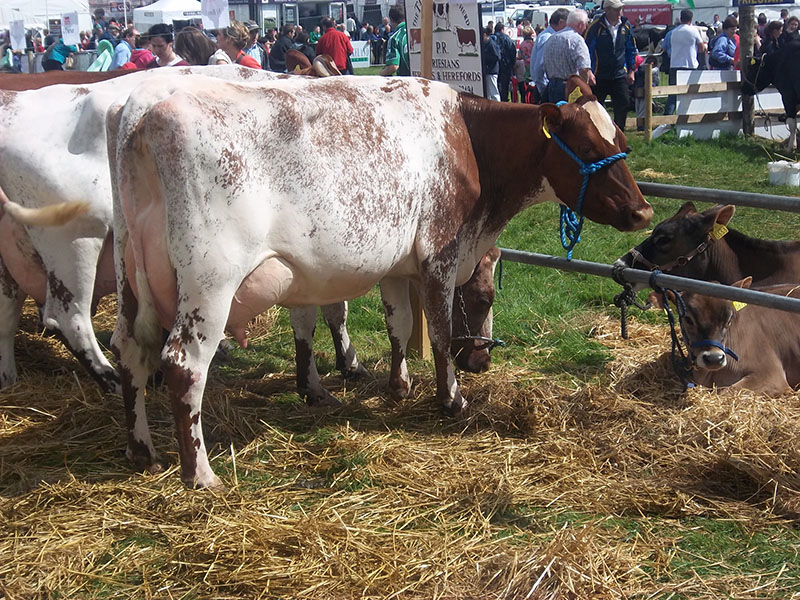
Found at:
<point>680,192</point>
<point>664,281</point>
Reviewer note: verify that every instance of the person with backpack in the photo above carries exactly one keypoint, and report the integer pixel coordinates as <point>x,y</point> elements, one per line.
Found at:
<point>397,49</point>
<point>508,56</point>
<point>490,64</point>
<point>723,47</point>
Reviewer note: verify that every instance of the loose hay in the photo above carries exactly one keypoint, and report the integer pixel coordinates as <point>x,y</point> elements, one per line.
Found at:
<point>525,498</point>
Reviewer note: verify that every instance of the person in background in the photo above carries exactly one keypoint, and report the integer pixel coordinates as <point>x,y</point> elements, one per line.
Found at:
<point>195,47</point>
<point>160,38</point>
<point>362,33</point>
<point>397,50</point>
<point>387,33</point>
<point>685,44</point>
<point>723,51</point>
<point>558,20</point>
<point>351,27</point>
<point>56,55</point>
<point>111,34</point>
<point>790,33</point>
<point>772,34</point>
<point>232,40</point>
<point>301,43</point>
<point>255,48</point>
<point>716,25</point>
<point>100,19</point>
<point>123,51</point>
<point>761,25</point>
<point>335,44</point>
<point>523,65</point>
<point>375,44</point>
<point>508,56</point>
<point>314,36</point>
<point>490,64</point>
<point>277,54</point>
<point>613,53</point>
<point>566,54</point>
<point>50,39</point>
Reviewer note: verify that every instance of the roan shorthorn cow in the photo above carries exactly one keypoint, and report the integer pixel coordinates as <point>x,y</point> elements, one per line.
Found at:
<point>763,343</point>
<point>55,240</point>
<point>212,226</point>
<point>699,245</point>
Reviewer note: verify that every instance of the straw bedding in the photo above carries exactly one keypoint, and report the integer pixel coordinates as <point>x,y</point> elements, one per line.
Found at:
<point>542,492</point>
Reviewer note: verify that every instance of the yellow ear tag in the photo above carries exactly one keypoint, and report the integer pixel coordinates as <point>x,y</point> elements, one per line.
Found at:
<point>573,97</point>
<point>544,129</point>
<point>739,305</point>
<point>297,69</point>
<point>718,231</point>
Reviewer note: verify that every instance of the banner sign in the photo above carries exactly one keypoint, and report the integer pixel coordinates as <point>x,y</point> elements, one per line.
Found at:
<point>70,30</point>
<point>758,2</point>
<point>16,30</point>
<point>215,14</point>
<point>658,14</point>
<point>360,55</point>
<point>456,43</point>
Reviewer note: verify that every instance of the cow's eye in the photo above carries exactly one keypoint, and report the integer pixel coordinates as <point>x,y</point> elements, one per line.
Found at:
<point>662,240</point>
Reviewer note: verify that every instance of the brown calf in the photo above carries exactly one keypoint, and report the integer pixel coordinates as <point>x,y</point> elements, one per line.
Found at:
<point>698,245</point>
<point>764,341</point>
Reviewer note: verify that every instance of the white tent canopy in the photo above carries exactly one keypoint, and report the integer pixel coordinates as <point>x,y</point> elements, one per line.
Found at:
<point>37,12</point>
<point>164,11</point>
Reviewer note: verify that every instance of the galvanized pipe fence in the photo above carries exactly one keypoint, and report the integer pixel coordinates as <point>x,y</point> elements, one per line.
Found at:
<point>768,201</point>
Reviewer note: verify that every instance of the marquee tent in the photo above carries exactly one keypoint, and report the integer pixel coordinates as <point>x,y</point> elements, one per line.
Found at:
<point>37,12</point>
<point>165,11</point>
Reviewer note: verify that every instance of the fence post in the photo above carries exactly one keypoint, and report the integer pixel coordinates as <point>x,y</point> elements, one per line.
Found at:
<point>648,102</point>
<point>419,341</point>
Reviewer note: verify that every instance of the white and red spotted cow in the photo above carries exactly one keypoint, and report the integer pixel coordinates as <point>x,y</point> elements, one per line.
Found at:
<point>53,151</point>
<point>213,226</point>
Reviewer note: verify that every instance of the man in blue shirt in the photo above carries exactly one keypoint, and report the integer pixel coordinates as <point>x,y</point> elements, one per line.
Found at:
<point>558,20</point>
<point>122,53</point>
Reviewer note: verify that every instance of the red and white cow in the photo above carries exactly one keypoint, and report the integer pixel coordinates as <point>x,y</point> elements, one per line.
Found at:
<point>53,151</point>
<point>213,226</point>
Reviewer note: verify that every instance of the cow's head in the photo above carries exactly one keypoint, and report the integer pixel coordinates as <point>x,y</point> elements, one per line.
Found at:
<point>677,245</point>
<point>760,73</point>
<point>472,316</point>
<point>584,127</point>
<point>705,325</point>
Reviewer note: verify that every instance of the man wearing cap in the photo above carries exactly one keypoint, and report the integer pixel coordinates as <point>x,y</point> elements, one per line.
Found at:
<point>613,53</point>
<point>111,34</point>
<point>254,48</point>
<point>123,51</point>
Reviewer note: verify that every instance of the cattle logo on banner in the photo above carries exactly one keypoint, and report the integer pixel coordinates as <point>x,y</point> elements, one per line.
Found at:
<point>70,29</point>
<point>456,43</point>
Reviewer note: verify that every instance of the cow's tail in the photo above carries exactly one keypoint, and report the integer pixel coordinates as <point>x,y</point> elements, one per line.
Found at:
<point>46,216</point>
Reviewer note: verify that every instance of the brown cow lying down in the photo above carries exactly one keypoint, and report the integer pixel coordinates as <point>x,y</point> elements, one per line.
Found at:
<point>766,341</point>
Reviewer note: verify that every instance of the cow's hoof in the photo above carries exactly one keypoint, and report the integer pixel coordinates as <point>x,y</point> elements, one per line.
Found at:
<point>456,406</point>
<point>143,461</point>
<point>399,390</point>
<point>357,372</point>
<point>211,482</point>
<point>323,399</point>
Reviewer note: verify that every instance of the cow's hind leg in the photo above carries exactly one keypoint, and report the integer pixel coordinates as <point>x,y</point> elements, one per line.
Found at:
<point>198,329</point>
<point>397,308</point>
<point>11,299</point>
<point>335,316</point>
<point>309,385</point>
<point>136,342</point>
<point>68,304</point>
<point>791,142</point>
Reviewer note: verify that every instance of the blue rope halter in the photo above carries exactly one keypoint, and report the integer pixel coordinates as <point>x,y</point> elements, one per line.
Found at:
<point>571,222</point>
<point>715,344</point>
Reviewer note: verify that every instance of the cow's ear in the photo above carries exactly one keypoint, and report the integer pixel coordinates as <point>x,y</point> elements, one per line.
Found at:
<point>688,208</point>
<point>743,283</point>
<point>724,214</point>
<point>715,219</point>
<point>577,91</point>
<point>551,118</point>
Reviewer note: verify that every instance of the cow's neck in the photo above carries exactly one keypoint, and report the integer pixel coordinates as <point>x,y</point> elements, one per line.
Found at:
<point>509,145</point>
<point>767,261</point>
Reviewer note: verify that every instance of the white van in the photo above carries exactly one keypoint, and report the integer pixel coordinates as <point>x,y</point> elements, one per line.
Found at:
<point>539,15</point>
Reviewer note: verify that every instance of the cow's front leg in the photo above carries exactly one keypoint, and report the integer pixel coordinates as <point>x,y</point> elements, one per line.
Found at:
<point>438,285</point>
<point>11,299</point>
<point>791,142</point>
<point>397,308</point>
<point>309,385</point>
<point>335,316</point>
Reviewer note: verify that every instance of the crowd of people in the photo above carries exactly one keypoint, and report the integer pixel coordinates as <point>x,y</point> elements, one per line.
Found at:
<point>609,53</point>
<point>242,43</point>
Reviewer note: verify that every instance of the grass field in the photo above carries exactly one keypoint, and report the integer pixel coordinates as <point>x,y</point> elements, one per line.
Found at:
<point>582,470</point>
